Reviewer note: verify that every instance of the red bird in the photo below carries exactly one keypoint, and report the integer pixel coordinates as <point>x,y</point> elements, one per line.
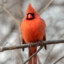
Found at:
<point>32,30</point>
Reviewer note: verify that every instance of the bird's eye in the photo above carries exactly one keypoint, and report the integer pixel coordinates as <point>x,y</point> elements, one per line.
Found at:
<point>30,16</point>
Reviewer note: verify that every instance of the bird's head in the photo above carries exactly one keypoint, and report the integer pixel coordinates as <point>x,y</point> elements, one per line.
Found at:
<point>30,12</point>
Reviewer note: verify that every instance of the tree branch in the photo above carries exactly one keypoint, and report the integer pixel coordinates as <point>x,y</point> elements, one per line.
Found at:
<point>49,3</point>
<point>42,43</point>
<point>7,11</point>
<point>32,44</point>
<point>59,59</point>
<point>54,42</point>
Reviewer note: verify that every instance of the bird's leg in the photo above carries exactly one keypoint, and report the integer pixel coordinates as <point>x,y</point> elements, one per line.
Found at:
<point>30,44</point>
<point>30,61</point>
<point>34,59</point>
<point>38,43</point>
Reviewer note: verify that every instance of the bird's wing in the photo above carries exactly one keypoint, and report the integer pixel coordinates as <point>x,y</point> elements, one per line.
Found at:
<point>23,42</point>
<point>44,39</point>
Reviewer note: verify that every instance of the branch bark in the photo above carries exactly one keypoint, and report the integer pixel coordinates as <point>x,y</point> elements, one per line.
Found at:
<point>32,44</point>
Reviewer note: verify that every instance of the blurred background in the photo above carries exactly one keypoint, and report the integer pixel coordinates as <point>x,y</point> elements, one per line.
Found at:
<point>10,34</point>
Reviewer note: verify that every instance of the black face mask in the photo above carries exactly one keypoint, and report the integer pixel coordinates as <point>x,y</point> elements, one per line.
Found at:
<point>32,16</point>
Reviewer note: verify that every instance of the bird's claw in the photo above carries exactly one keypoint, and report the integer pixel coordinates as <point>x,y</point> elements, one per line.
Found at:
<point>38,43</point>
<point>29,44</point>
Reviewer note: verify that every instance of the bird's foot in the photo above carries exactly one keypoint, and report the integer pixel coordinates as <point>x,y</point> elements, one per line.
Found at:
<point>30,44</point>
<point>38,43</point>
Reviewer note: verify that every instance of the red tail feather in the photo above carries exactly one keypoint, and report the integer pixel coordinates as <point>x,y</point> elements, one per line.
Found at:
<point>33,60</point>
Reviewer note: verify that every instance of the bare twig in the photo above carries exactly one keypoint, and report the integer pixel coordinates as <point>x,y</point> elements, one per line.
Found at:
<point>59,59</point>
<point>33,55</point>
<point>10,14</point>
<point>32,44</point>
<point>45,62</point>
<point>50,2</point>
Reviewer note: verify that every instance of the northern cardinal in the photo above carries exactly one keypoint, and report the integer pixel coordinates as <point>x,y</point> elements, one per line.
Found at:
<point>32,30</point>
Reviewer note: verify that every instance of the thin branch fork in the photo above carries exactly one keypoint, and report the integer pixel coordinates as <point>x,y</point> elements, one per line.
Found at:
<point>44,43</point>
<point>32,44</point>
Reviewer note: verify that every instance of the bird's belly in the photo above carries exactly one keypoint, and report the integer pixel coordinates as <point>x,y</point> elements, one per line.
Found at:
<point>34,35</point>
